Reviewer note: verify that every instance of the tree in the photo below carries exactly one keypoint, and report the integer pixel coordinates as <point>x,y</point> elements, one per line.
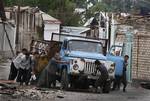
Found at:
<point>21,2</point>
<point>99,6</point>
<point>64,10</point>
<point>80,3</point>
<point>60,9</point>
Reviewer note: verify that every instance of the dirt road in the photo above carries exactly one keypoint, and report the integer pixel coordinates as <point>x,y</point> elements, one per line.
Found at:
<point>132,94</point>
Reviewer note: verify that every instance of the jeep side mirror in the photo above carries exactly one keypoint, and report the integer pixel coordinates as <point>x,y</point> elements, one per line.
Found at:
<point>65,44</point>
<point>104,51</point>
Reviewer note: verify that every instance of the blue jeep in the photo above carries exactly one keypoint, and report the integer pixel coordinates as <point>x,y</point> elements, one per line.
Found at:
<point>82,53</point>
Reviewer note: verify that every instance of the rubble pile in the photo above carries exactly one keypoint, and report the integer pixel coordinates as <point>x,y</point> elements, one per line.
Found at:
<point>30,93</point>
<point>34,94</point>
<point>137,21</point>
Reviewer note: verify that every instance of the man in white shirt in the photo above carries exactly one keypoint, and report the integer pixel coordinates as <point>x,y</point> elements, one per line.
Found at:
<point>24,67</point>
<point>16,64</point>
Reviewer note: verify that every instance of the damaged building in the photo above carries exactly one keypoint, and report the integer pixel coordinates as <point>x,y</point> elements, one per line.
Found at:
<point>138,37</point>
<point>25,24</point>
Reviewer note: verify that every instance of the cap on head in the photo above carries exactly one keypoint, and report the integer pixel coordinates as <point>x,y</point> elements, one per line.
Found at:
<point>36,52</point>
<point>24,49</point>
<point>97,62</point>
<point>126,56</point>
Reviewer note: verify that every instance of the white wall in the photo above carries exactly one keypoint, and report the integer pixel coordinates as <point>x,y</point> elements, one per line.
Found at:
<point>113,30</point>
<point>4,45</point>
<point>49,29</point>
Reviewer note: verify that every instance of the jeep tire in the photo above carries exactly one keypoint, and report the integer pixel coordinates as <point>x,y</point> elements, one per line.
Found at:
<point>64,79</point>
<point>106,87</point>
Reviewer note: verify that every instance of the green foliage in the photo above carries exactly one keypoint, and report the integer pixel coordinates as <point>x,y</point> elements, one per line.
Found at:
<point>110,6</point>
<point>64,10</point>
<point>100,6</point>
<point>21,2</point>
<point>81,3</point>
<point>60,9</point>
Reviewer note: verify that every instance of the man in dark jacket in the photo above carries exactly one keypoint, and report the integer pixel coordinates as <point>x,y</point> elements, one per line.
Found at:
<point>49,74</point>
<point>124,79</point>
<point>102,80</point>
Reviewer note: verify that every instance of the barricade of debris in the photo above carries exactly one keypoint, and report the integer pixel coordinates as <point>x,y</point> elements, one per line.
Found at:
<point>16,91</point>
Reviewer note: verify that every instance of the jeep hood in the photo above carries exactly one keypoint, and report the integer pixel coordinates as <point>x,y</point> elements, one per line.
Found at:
<point>88,55</point>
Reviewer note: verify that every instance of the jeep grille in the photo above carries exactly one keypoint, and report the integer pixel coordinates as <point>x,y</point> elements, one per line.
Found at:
<point>89,67</point>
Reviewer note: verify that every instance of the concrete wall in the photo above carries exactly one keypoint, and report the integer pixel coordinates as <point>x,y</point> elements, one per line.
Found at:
<point>5,49</point>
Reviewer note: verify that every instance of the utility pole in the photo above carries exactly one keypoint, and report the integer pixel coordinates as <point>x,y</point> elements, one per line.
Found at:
<point>109,32</point>
<point>17,29</point>
<point>3,18</point>
<point>2,12</point>
<point>124,6</point>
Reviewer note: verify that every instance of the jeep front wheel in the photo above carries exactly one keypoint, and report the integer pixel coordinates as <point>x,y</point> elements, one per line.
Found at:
<point>64,79</point>
<point>106,87</point>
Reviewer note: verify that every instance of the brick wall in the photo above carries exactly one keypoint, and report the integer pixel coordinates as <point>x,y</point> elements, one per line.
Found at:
<point>141,56</point>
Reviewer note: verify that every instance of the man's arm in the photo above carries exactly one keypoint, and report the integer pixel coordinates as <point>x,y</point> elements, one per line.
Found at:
<point>61,62</point>
<point>125,66</point>
<point>21,63</point>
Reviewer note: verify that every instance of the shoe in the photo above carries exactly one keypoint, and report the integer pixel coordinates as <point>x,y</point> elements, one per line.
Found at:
<point>21,84</point>
<point>118,89</point>
<point>99,90</point>
<point>124,90</point>
<point>112,89</point>
<point>26,84</point>
<point>94,90</point>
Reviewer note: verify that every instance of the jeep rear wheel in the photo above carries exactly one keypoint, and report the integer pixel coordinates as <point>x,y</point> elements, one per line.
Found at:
<point>64,79</point>
<point>107,87</point>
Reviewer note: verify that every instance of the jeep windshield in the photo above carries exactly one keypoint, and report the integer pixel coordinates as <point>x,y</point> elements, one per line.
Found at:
<point>116,50</point>
<point>85,46</point>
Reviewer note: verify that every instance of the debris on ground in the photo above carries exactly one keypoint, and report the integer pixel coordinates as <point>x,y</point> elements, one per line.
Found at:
<point>7,87</point>
<point>60,96</point>
<point>29,92</point>
<point>145,85</point>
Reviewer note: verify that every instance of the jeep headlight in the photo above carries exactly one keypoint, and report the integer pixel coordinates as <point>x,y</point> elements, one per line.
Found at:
<point>110,70</point>
<point>113,65</point>
<point>75,67</point>
<point>73,61</point>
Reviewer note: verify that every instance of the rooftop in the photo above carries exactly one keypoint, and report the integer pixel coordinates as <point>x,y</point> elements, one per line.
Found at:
<point>49,19</point>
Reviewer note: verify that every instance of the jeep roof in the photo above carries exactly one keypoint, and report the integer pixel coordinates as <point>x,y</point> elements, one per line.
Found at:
<point>83,39</point>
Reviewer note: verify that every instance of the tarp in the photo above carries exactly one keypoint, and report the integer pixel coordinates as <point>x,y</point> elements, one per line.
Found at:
<point>48,75</point>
